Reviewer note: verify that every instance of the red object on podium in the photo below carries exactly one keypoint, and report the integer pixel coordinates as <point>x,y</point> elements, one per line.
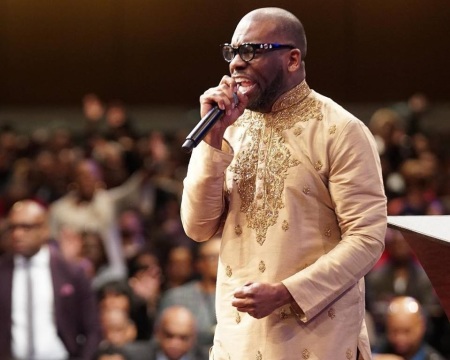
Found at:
<point>429,238</point>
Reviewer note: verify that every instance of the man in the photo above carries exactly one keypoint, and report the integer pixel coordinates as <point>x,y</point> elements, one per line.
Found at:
<point>117,327</point>
<point>294,183</point>
<point>199,295</point>
<point>174,338</point>
<point>89,207</point>
<point>47,308</point>
<point>405,330</point>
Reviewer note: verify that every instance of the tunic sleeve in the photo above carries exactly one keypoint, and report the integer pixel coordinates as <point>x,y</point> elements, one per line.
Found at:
<point>357,193</point>
<point>202,203</point>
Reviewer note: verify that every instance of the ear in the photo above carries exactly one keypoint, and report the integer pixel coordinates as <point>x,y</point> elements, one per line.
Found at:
<point>294,60</point>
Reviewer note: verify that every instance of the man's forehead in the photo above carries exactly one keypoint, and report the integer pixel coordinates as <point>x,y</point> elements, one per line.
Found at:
<point>254,30</point>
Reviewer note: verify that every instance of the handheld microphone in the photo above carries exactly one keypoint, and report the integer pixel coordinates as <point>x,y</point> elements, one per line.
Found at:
<point>204,126</point>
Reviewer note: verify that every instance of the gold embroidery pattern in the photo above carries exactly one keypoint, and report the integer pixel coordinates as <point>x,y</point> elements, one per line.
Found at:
<point>349,354</point>
<point>278,159</point>
<point>238,318</point>
<point>285,225</point>
<point>262,266</point>
<point>283,314</point>
<point>259,356</point>
<point>306,190</point>
<point>332,129</point>
<point>238,230</point>
<point>328,232</point>
<point>298,131</point>
<point>305,354</point>
<point>318,165</point>
<point>331,313</point>
<point>228,271</point>
<point>296,95</point>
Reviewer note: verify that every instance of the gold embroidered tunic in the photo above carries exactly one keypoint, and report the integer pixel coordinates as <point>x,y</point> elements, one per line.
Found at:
<point>300,200</point>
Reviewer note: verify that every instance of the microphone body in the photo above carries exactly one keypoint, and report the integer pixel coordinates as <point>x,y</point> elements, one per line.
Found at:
<point>204,126</point>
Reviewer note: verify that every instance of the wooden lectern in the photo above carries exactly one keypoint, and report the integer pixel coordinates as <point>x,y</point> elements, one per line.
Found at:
<point>429,238</point>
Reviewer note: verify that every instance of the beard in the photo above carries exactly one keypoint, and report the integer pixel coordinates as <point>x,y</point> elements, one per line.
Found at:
<point>264,100</point>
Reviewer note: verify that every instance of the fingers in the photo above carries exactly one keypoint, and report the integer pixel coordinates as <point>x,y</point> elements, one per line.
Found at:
<point>244,299</point>
<point>245,291</point>
<point>224,95</point>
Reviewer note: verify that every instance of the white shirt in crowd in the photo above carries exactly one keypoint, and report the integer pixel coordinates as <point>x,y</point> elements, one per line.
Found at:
<point>47,344</point>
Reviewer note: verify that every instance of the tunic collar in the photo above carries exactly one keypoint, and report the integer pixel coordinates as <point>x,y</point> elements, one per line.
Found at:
<point>292,97</point>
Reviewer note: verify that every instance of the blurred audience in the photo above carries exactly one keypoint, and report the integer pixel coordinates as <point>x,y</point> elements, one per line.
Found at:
<point>199,295</point>
<point>145,279</point>
<point>113,193</point>
<point>398,274</point>
<point>131,230</point>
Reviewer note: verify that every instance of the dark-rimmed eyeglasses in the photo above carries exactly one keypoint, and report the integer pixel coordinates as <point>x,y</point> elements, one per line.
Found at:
<point>23,226</point>
<point>247,51</point>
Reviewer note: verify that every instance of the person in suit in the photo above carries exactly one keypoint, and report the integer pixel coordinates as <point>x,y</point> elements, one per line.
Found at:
<point>48,310</point>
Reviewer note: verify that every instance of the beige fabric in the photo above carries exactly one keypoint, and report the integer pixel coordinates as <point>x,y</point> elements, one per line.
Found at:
<point>304,204</point>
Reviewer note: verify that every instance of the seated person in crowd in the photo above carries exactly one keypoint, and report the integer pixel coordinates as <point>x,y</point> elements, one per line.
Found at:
<point>117,327</point>
<point>118,295</point>
<point>405,332</point>
<point>179,266</point>
<point>174,338</point>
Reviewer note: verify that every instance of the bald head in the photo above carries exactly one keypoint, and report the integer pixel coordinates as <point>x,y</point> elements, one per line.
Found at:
<point>404,305</point>
<point>286,25</point>
<point>27,227</point>
<point>176,332</point>
<point>405,325</point>
<point>177,316</point>
<point>30,208</point>
<point>268,74</point>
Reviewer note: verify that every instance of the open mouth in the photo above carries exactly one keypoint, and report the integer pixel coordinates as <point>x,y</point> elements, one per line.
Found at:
<point>245,85</point>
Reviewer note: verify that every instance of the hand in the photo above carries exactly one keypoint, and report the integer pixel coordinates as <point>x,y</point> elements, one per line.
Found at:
<point>147,284</point>
<point>261,299</point>
<point>222,96</point>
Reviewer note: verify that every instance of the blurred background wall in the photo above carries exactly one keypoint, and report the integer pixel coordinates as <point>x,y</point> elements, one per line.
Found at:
<point>159,56</point>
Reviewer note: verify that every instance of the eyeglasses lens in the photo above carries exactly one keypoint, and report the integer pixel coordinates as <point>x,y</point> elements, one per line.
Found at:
<point>246,52</point>
<point>228,52</point>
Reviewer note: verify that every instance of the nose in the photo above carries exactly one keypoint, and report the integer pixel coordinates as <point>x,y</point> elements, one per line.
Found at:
<point>237,63</point>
